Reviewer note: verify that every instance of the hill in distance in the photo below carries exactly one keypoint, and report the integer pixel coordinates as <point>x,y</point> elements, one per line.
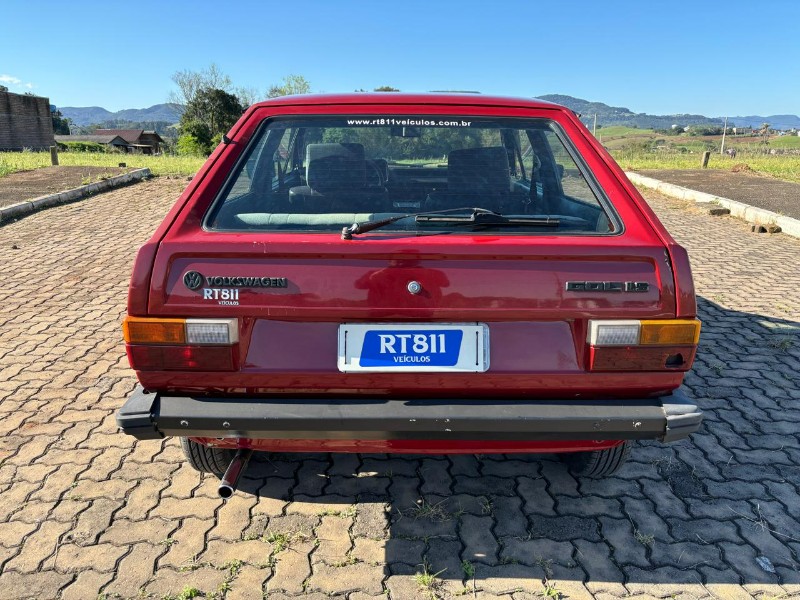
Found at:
<point>170,113</point>
<point>606,115</point>
<point>618,115</point>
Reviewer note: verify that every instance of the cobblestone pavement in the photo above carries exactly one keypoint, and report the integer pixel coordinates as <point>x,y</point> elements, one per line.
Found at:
<point>87,511</point>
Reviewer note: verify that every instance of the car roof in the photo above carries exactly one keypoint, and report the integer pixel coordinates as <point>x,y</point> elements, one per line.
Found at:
<point>454,99</point>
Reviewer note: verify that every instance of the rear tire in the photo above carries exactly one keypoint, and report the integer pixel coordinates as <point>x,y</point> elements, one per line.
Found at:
<point>598,463</point>
<point>205,459</point>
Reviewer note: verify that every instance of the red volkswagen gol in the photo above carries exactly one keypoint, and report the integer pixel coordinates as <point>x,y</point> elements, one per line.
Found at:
<point>410,273</point>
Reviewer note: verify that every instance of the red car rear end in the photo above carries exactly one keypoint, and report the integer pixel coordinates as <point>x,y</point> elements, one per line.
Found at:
<point>398,273</point>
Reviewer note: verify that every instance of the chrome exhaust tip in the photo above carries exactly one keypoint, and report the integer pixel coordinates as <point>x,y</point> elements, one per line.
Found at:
<point>227,486</point>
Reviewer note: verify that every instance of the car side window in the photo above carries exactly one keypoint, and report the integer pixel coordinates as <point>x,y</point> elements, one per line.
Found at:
<point>281,159</point>
<point>573,183</point>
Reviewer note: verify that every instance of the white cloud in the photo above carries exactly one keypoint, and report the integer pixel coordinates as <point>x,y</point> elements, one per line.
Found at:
<point>15,82</point>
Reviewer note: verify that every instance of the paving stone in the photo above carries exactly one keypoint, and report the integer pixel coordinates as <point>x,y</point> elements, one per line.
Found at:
<point>67,477</point>
<point>487,485</point>
<point>564,527</point>
<point>620,536</point>
<point>248,584</point>
<point>135,569</point>
<point>356,577</point>
<point>72,558</point>
<point>534,551</point>
<point>169,583</point>
<point>436,477</point>
<point>186,543</point>
<point>534,494</point>
<point>596,560</point>
<point>292,567</point>
<point>33,586</point>
<point>508,516</point>
<point>478,539</point>
<point>333,536</point>
<point>38,547</point>
<point>87,584</point>
<point>505,579</point>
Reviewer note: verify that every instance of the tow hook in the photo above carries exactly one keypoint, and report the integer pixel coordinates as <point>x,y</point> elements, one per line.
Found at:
<point>234,471</point>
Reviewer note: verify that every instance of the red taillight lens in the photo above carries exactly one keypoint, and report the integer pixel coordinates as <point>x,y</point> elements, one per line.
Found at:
<point>168,344</point>
<point>652,345</point>
<point>182,358</point>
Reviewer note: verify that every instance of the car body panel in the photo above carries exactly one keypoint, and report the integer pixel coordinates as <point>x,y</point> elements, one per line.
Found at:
<point>517,284</point>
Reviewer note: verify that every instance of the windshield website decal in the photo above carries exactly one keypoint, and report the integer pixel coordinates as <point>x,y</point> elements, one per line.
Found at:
<point>408,122</point>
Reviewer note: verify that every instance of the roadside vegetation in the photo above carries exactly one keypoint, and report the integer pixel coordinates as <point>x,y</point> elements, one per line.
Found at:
<point>763,153</point>
<point>11,162</point>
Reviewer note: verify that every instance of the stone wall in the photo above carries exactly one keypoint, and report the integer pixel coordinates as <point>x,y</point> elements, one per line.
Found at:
<point>25,122</point>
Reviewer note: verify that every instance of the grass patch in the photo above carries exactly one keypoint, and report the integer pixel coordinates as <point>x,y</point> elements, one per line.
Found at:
<point>426,510</point>
<point>11,162</point>
<point>428,581</point>
<point>784,167</point>
<point>644,540</point>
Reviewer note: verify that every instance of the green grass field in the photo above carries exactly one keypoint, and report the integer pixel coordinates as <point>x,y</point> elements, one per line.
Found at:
<point>11,162</point>
<point>780,166</point>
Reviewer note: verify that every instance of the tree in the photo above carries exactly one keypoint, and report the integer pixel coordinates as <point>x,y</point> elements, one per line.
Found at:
<point>386,88</point>
<point>60,123</point>
<point>291,84</point>
<point>210,114</point>
<point>3,88</point>
<point>191,83</point>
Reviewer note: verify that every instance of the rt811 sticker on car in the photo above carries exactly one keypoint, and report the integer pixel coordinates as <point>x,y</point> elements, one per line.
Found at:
<point>417,347</point>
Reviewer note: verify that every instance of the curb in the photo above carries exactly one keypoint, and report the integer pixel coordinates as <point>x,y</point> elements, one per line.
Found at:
<point>21,209</point>
<point>752,214</point>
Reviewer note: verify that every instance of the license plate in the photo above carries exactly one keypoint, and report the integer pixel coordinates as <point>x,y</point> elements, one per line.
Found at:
<point>405,348</point>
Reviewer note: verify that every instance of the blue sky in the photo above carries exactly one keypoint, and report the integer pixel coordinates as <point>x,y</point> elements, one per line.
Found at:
<point>714,58</point>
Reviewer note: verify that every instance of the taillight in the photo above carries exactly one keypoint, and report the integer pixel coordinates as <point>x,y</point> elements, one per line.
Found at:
<point>155,344</point>
<point>651,345</point>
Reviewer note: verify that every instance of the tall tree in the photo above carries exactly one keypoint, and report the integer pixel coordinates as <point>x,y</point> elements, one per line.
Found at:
<point>60,123</point>
<point>386,88</point>
<point>210,114</point>
<point>291,84</point>
<point>191,83</point>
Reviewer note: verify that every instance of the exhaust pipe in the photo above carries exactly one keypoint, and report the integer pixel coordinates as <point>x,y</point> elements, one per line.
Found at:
<point>234,471</point>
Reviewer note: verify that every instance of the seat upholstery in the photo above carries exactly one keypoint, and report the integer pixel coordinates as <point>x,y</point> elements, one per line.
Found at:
<point>477,177</point>
<point>478,171</point>
<point>334,167</point>
<point>336,175</point>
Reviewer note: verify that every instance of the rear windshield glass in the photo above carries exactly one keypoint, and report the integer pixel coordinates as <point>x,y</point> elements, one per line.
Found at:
<point>448,174</point>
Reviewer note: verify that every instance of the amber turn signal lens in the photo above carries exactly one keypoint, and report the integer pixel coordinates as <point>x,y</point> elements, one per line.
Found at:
<point>673,332</point>
<point>139,330</point>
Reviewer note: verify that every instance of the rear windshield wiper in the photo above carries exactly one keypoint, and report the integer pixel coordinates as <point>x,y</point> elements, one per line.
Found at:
<point>475,216</point>
<point>367,226</point>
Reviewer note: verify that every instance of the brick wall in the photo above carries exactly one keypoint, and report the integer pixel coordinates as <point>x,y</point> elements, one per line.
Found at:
<point>25,122</point>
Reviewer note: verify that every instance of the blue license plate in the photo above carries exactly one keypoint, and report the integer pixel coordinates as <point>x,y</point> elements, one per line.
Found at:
<point>410,348</point>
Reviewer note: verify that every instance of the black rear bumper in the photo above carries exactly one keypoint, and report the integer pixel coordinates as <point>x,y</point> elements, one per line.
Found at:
<point>152,416</point>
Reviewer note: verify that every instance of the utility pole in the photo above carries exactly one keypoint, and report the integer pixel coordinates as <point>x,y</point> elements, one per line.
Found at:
<point>724,131</point>
<point>594,129</point>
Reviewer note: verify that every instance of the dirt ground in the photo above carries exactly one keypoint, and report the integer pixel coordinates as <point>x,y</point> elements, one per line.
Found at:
<point>778,196</point>
<point>27,185</point>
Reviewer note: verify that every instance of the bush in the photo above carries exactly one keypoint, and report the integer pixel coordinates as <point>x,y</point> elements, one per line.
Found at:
<point>81,146</point>
<point>189,145</point>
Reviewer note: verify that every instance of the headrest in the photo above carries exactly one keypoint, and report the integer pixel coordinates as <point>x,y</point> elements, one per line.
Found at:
<point>481,170</point>
<point>335,166</point>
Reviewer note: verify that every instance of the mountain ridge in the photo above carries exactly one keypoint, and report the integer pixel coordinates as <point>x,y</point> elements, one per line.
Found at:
<point>88,115</point>
<point>606,115</point>
<point>618,115</point>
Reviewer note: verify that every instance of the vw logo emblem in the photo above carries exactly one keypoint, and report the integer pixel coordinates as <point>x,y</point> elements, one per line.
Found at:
<point>193,280</point>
